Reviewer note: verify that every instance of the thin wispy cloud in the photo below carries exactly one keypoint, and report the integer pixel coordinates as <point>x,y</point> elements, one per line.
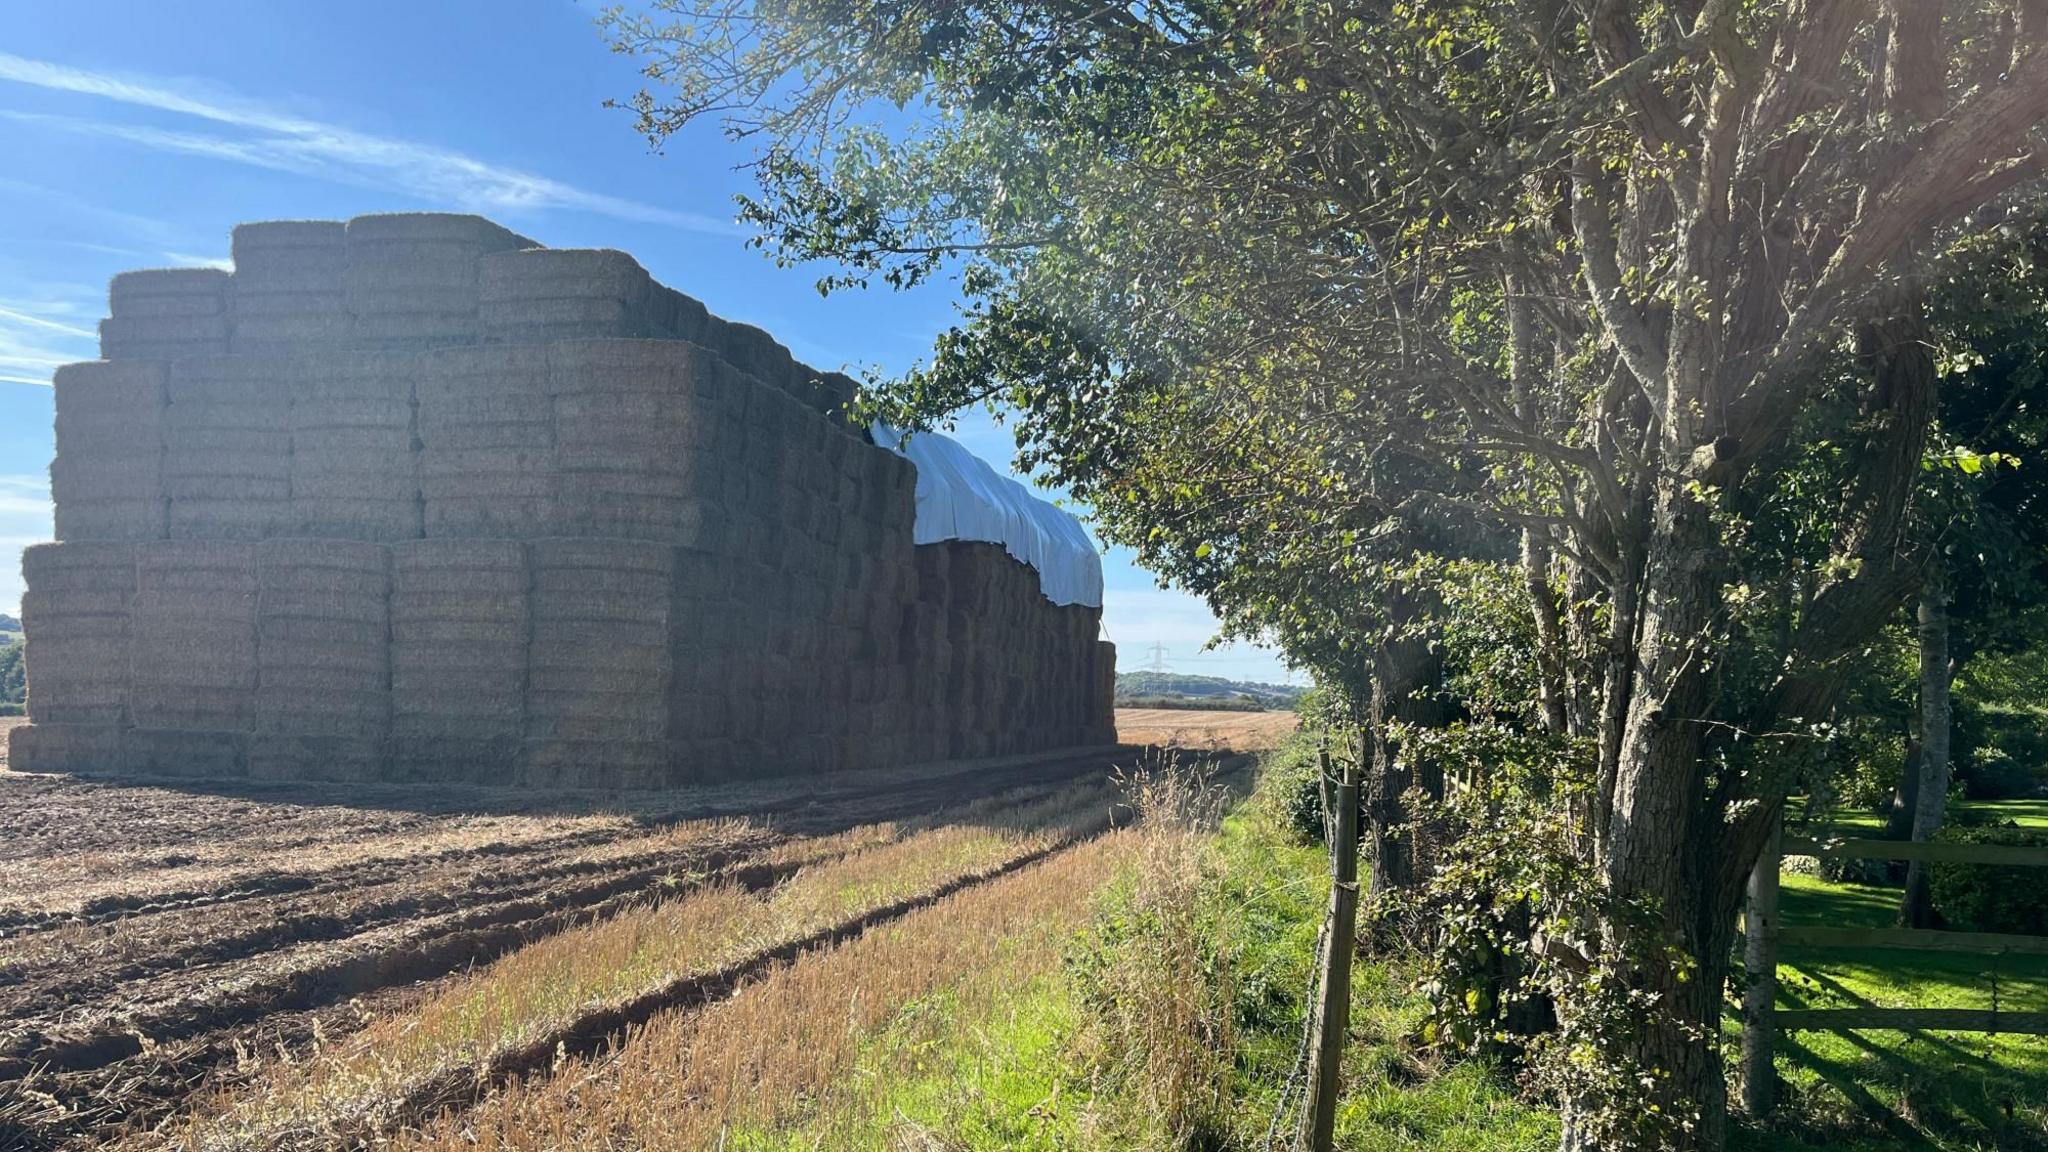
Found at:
<point>35,338</point>
<point>263,137</point>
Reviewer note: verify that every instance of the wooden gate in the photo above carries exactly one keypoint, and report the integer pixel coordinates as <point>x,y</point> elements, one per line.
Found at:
<point>1762,1020</point>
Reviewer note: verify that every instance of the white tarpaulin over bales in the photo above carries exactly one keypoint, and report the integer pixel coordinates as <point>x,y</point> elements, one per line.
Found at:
<point>959,497</point>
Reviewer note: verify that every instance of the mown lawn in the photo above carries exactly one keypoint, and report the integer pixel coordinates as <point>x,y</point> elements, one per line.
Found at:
<point>1847,1092</point>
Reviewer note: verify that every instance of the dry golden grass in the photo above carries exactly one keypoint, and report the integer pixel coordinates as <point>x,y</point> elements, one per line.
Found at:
<point>784,1049</point>
<point>361,1087</point>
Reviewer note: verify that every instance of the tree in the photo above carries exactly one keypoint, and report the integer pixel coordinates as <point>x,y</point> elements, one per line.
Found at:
<point>1294,292</point>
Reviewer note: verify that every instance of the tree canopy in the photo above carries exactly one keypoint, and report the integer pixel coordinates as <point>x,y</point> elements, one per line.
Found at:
<point>1338,312</point>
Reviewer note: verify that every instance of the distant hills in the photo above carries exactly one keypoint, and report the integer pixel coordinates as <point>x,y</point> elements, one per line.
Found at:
<point>1172,689</point>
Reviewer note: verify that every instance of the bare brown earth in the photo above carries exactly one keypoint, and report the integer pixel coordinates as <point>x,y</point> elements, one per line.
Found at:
<point>153,935</point>
<point>1179,728</point>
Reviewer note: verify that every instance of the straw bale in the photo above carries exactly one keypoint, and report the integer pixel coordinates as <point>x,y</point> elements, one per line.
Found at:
<point>81,519</point>
<point>560,273</point>
<point>148,338</point>
<point>328,757</point>
<point>261,240</point>
<point>265,333</point>
<point>104,475</point>
<point>434,565</point>
<point>231,519</point>
<point>625,367</point>
<point>407,328</point>
<point>75,748</point>
<point>98,388</point>
<point>487,473</point>
<point>599,555</point>
<point>451,759</point>
<point>292,631</point>
<point>196,566</point>
<point>424,227</point>
<point>608,764</point>
<point>324,565</point>
<point>686,317</point>
<point>82,566</point>
<point>186,753</point>
<point>154,292</point>
<point>455,378</point>
<point>346,518</point>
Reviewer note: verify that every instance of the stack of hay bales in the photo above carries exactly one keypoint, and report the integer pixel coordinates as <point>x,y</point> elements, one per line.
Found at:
<point>194,656</point>
<point>487,442</point>
<point>77,612</point>
<point>353,467</point>
<point>647,436</point>
<point>163,313</point>
<point>228,447</point>
<point>460,625</point>
<point>403,498</point>
<point>287,290</point>
<point>540,295</point>
<point>322,706</point>
<point>107,480</point>
<point>411,279</point>
<point>599,662</point>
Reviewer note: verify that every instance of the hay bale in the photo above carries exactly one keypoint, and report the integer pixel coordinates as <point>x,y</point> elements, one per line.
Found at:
<point>411,279</point>
<point>162,337</point>
<point>451,759</point>
<point>194,634</point>
<point>542,295</point>
<point>335,758</point>
<point>324,656</point>
<point>81,749</point>
<point>596,763</point>
<point>288,257</point>
<point>486,432</point>
<point>460,625</point>
<point>185,753</point>
<point>167,292</point>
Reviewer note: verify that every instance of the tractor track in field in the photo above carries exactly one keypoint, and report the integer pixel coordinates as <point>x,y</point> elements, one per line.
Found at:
<point>158,934</point>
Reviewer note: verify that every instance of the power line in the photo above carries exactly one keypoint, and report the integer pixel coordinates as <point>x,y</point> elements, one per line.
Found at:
<point>1158,663</point>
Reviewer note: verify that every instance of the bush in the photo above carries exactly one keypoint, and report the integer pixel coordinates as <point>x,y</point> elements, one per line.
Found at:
<point>13,679</point>
<point>1292,785</point>
<point>1994,773</point>
<point>1991,898</point>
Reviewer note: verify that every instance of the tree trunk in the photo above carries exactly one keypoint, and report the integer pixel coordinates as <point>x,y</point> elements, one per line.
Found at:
<point>1898,823</point>
<point>1655,854</point>
<point>1931,802</point>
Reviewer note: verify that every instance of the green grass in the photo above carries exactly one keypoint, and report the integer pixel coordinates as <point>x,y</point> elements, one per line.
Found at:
<point>2025,813</point>
<point>1016,1077</point>
<point>1869,1090</point>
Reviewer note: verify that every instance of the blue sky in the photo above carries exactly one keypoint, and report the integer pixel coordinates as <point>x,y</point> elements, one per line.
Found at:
<point>136,134</point>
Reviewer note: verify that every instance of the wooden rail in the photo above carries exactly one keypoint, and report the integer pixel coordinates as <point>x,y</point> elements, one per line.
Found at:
<point>1910,1020</point>
<point>1762,1020</point>
<point>1935,852</point>
<point>1917,939</point>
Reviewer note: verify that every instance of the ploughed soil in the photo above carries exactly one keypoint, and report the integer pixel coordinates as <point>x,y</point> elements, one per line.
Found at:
<point>1184,728</point>
<point>154,935</point>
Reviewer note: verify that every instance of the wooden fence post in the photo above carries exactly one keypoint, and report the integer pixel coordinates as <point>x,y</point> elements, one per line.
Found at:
<point>1333,1008</point>
<point>1760,959</point>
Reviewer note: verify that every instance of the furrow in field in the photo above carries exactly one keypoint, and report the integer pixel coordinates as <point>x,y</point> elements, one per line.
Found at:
<point>578,991</point>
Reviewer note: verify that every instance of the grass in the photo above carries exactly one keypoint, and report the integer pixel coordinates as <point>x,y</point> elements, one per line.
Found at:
<point>364,1085</point>
<point>1849,1092</point>
<point>795,1060</point>
<point>1035,1065</point>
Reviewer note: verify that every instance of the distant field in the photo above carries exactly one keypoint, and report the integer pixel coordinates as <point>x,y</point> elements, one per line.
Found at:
<point>1182,728</point>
